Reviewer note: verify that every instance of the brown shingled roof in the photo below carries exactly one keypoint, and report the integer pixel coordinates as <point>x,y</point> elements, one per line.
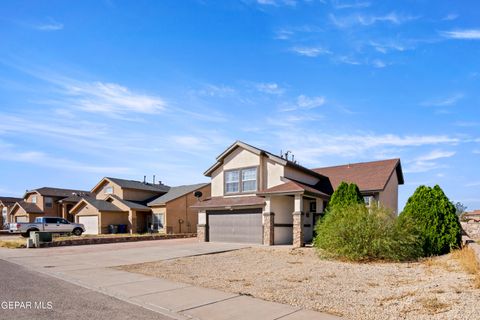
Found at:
<point>29,207</point>
<point>368,176</point>
<point>218,202</point>
<point>295,187</point>
<point>57,192</point>
<point>9,200</point>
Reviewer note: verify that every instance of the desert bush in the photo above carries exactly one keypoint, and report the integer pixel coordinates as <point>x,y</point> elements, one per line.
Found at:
<point>358,233</point>
<point>435,218</point>
<point>345,195</point>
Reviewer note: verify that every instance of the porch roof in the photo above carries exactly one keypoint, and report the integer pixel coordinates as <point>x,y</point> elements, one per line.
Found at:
<point>220,202</point>
<point>294,187</point>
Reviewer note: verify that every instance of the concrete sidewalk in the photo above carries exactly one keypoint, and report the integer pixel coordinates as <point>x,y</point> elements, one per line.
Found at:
<point>90,267</point>
<point>182,301</point>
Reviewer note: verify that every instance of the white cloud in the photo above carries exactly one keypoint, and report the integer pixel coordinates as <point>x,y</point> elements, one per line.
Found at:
<point>367,20</point>
<point>427,162</point>
<point>310,51</point>
<point>444,102</point>
<point>379,64</point>
<point>385,47</point>
<point>473,184</point>
<point>350,5</point>
<point>304,102</point>
<point>51,25</point>
<point>450,17</point>
<point>467,34</point>
<point>270,88</point>
<point>111,98</point>
<point>212,90</point>
<point>347,60</point>
<point>435,155</point>
<point>277,2</point>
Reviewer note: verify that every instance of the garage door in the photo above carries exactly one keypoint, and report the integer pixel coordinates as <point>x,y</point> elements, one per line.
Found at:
<point>243,226</point>
<point>21,219</point>
<point>90,223</point>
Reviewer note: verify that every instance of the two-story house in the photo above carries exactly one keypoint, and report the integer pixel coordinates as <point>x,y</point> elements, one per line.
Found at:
<point>6,204</point>
<point>258,197</point>
<point>40,202</point>
<point>141,206</point>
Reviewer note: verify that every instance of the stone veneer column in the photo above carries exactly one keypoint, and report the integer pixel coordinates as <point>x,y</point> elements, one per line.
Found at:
<point>202,226</point>
<point>268,228</point>
<point>298,222</point>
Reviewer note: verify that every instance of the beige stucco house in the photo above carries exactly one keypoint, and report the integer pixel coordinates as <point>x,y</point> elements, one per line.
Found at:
<point>40,202</point>
<point>138,205</point>
<point>259,197</point>
<point>6,204</point>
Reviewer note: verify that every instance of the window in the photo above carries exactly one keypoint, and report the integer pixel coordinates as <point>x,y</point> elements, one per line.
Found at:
<point>48,202</point>
<point>158,221</point>
<point>50,220</point>
<point>109,190</point>
<point>249,180</point>
<point>62,221</point>
<point>242,180</point>
<point>313,206</point>
<point>368,200</point>
<point>34,199</point>
<point>232,181</point>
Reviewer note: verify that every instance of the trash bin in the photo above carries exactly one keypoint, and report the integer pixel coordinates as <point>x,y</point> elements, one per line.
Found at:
<point>122,228</point>
<point>112,229</point>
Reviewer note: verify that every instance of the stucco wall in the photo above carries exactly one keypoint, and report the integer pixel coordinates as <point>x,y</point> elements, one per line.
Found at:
<point>299,176</point>
<point>275,172</point>
<point>282,207</point>
<point>389,196</point>
<point>100,192</point>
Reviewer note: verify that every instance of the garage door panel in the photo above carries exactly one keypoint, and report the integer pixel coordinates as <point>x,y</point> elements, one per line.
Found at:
<point>90,223</point>
<point>242,226</point>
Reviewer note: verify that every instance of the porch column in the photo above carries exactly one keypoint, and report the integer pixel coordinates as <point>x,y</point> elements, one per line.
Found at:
<point>298,215</point>
<point>268,223</point>
<point>202,226</point>
<point>132,218</point>
<point>64,211</point>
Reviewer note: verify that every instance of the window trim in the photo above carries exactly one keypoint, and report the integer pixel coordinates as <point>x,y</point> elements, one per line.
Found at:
<point>106,188</point>
<point>240,181</point>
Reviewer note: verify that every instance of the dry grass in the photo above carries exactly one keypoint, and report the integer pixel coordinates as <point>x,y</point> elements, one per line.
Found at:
<point>468,260</point>
<point>13,244</point>
<point>433,305</point>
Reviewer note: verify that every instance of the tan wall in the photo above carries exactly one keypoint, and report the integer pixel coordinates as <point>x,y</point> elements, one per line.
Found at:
<point>100,193</point>
<point>107,218</point>
<point>138,195</point>
<point>300,176</point>
<point>275,172</point>
<point>55,210</point>
<point>39,199</point>
<point>283,207</point>
<point>86,210</point>
<point>239,158</point>
<point>389,196</point>
<point>180,209</point>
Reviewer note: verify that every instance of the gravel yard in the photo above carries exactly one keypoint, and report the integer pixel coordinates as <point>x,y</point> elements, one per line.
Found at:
<point>436,288</point>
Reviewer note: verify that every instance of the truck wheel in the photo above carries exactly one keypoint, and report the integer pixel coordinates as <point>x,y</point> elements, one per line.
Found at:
<point>77,231</point>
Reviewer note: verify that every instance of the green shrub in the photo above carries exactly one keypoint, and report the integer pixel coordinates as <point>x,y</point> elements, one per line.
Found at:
<point>436,220</point>
<point>360,234</point>
<point>345,195</point>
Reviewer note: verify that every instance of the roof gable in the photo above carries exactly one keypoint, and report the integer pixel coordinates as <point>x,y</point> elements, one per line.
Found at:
<point>132,184</point>
<point>260,152</point>
<point>55,192</point>
<point>369,176</point>
<point>176,192</point>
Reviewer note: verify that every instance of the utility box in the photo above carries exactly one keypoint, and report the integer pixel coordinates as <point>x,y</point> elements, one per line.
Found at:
<point>39,237</point>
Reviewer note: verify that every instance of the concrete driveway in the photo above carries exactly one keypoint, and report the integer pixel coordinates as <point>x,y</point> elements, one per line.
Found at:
<point>88,266</point>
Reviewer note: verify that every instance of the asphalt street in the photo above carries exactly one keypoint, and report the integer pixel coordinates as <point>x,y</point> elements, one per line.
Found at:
<point>26,294</point>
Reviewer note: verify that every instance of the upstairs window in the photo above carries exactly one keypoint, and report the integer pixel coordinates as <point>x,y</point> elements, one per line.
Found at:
<point>34,199</point>
<point>48,202</point>
<point>249,180</point>
<point>241,181</point>
<point>368,200</point>
<point>108,190</point>
<point>232,181</point>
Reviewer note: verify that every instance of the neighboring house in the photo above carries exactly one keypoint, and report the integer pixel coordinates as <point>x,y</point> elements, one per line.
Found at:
<point>471,216</point>
<point>173,209</point>
<point>258,197</point>
<point>6,204</point>
<point>116,201</point>
<point>377,180</point>
<point>40,202</point>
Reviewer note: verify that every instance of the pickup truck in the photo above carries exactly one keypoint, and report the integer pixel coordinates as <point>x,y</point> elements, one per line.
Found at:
<point>47,224</point>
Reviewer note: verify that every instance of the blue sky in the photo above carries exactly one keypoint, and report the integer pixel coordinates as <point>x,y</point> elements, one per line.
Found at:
<point>132,88</point>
